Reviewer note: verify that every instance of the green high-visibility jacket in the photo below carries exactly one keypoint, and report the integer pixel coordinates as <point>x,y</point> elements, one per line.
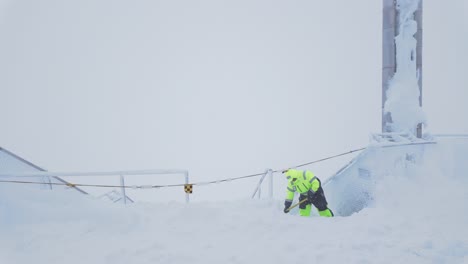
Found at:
<point>301,182</point>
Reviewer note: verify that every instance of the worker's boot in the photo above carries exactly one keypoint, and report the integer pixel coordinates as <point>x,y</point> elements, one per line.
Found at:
<point>326,213</point>
<point>304,210</point>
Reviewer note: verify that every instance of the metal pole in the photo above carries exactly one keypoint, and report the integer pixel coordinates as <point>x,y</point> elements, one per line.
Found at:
<point>419,38</point>
<point>49,181</point>
<point>122,184</point>
<point>258,188</point>
<point>271,184</point>
<point>389,31</point>
<point>187,198</point>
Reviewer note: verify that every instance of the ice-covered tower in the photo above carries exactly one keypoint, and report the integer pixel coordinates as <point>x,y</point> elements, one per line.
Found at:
<point>402,67</point>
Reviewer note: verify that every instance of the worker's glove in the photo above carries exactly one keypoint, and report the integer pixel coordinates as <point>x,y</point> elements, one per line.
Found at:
<point>287,204</point>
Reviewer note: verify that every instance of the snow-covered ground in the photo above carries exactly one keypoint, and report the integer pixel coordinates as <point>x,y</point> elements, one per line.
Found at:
<point>418,215</point>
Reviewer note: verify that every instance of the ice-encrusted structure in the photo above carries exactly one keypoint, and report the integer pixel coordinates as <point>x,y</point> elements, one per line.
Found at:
<point>403,92</point>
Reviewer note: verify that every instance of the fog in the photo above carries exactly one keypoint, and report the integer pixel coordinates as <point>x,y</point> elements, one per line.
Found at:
<point>221,88</point>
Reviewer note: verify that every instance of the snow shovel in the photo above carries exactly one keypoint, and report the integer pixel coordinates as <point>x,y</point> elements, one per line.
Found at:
<point>294,205</point>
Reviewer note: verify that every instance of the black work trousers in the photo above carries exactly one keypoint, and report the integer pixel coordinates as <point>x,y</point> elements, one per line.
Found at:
<point>318,200</point>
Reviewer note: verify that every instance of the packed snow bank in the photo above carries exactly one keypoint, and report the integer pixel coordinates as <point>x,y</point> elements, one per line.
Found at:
<point>354,187</point>
<point>357,185</point>
<point>417,216</point>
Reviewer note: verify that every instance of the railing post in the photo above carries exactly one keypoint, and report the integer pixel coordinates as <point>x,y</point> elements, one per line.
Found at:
<point>271,184</point>
<point>122,184</point>
<point>46,179</point>
<point>187,198</point>
<point>259,185</point>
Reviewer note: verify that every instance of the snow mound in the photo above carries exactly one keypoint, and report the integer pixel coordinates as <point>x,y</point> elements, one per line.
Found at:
<point>382,169</point>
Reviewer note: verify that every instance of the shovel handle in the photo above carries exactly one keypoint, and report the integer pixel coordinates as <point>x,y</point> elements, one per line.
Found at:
<point>294,205</point>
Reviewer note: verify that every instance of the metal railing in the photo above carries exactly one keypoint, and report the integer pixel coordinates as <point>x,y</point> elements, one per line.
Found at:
<point>121,174</point>
<point>258,189</point>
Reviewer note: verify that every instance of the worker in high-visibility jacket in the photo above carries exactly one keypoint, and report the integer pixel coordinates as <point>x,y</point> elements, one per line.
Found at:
<point>309,187</point>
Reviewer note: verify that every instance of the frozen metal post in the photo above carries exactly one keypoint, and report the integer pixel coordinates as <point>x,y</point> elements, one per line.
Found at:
<point>187,196</point>
<point>418,17</point>
<point>122,184</point>
<point>271,184</point>
<point>389,32</point>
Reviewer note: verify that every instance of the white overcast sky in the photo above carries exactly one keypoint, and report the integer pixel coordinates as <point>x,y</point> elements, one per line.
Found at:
<point>216,87</point>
